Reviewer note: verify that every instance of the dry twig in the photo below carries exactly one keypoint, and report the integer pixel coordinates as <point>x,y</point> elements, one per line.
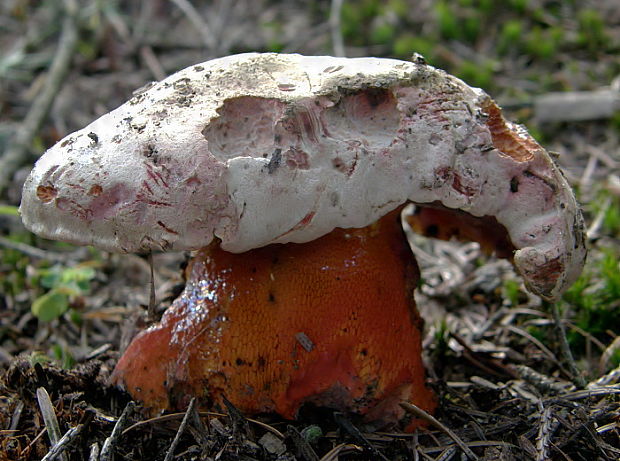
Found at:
<point>304,450</point>
<point>341,449</point>
<point>411,408</point>
<point>94,452</point>
<point>197,22</point>
<point>545,429</point>
<point>63,443</point>
<point>181,430</point>
<point>610,378</point>
<point>38,253</point>
<point>578,379</point>
<point>107,450</point>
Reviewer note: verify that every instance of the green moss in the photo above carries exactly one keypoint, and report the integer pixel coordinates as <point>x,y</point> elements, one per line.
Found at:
<point>519,6</point>
<point>442,335</point>
<point>614,360</point>
<point>615,122</point>
<point>591,30</point>
<point>610,273</point>
<point>406,45</point>
<point>511,291</point>
<point>595,298</point>
<point>540,44</point>
<point>446,20</point>
<point>382,34</point>
<point>350,23</point>
<point>471,28</point>
<point>611,219</point>
<point>480,75</point>
<point>487,6</point>
<point>274,30</point>
<point>63,356</point>
<point>356,19</point>
<point>399,7</point>
<point>510,36</point>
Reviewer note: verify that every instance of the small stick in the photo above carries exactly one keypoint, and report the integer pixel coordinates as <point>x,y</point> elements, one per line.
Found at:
<point>152,300</point>
<point>304,450</point>
<point>343,448</point>
<point>94,452</point>
<point>151,61</point>
<point>200,431</point>
<point>334,25</point>
<point>37,253</point>
<point>197,22</point>
<point>108,446</point>
<point>49,417</point>
<point>15,154</point>
<point>97,352</point>
<point>17,413</point>
<point>417,411</point>
<point>597,222</point>
<point>182,426</point>
<point>354,432</point>
<point>173,416</point>
<point>587,393</point>
<point>59,447</point>
<point>612,377</point>
<point>543,440</point>
<point>239,422</point>
<point>578,379</point>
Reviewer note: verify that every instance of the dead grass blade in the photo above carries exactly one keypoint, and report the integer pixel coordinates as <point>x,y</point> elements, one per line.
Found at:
<point>413,409</point>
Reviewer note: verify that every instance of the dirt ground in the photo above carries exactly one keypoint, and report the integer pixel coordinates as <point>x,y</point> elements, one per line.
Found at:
<point>516,378</point>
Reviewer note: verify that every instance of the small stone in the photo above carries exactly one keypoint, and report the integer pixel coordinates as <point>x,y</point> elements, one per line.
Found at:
<point>272,444</point>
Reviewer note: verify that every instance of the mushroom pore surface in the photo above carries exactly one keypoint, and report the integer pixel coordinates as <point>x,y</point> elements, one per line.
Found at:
<point>256,149</point>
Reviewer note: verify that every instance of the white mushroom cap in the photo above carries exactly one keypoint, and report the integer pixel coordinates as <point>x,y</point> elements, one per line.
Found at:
<point>265,148</point>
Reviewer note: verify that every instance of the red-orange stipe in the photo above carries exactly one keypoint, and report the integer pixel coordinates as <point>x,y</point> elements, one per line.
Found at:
<point>332,322</point>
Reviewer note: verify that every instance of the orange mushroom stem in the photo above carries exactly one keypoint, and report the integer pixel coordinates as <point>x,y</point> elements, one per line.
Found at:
<point>332,322</point>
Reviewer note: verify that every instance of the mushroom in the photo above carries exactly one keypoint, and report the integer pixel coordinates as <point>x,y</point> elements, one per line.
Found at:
<point>288,173</point>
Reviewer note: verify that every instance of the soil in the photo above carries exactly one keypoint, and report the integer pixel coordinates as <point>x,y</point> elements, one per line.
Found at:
<point>495,356</point>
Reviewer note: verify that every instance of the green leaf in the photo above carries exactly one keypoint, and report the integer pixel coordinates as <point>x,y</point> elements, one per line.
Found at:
<point>78,274</point>
<point>75,277</point>
<point>50,306</point>
<point>38,357</point>
<point>50,278</point>
<point>64,356</point>
<point>9,210</point>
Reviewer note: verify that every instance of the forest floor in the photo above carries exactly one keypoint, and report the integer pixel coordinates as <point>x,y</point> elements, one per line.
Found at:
<point>516,378</point>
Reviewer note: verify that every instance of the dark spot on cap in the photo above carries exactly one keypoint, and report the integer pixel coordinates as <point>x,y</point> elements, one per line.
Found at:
<point>432,230</point>
<point>339,164</point>
<point>274,162</point>
<point>514,185</point>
